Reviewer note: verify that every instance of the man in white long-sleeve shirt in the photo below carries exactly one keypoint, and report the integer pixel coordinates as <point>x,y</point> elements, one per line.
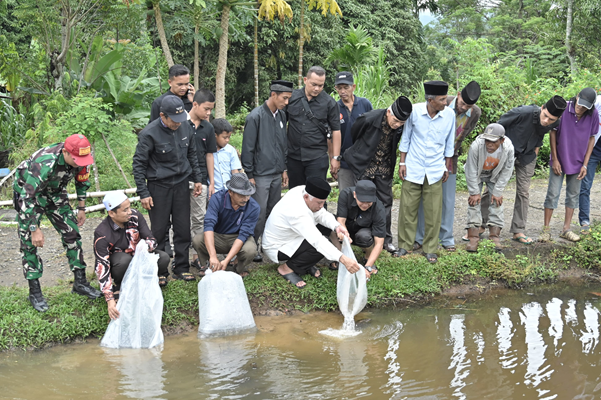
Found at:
<point>291,235</point>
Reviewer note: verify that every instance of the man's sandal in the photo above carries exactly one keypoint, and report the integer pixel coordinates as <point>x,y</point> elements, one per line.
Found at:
<point>569,235</point>
<point>184,276</point>
<point>416,246</point>
<point>585,230</point>
<point>545,235</point>
<point>523,240</point>
<point>400,253</point>
<point>333,266</point>
<point>431,257</point>
<point>450,248</point>
<point>293,278</point>
<point>162,281</point>
<point>314,271</point>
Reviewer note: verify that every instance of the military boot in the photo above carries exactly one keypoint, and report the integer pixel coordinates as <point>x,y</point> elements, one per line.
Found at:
<point>472,235</point>
<point>81,285</point>
<point>36,298</point>
<point>494,233</point>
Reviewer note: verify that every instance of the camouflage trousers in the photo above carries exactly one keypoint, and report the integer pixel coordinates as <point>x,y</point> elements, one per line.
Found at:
<point>60,214</point>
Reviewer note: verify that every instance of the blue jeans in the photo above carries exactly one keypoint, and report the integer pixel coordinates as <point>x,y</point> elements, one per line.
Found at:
<point>585,186</point>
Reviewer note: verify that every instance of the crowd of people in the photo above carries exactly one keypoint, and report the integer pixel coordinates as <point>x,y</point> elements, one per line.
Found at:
<point>193,182</point>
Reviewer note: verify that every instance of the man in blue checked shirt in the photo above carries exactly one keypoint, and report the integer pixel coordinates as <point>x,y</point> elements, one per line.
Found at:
<point>427,145</point>
<point>229,226</point>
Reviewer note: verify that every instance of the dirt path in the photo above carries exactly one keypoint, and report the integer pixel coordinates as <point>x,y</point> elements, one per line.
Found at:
<point>56,268</point>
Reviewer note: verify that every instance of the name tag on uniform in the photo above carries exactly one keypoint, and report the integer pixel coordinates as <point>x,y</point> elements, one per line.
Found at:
<point>281,125</point>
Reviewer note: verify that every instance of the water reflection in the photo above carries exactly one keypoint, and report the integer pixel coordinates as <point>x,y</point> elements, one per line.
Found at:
<point>141,369</point>
<point>544,346</point>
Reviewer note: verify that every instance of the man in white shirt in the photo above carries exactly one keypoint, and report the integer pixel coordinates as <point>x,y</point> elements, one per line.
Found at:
<point>291,235</point>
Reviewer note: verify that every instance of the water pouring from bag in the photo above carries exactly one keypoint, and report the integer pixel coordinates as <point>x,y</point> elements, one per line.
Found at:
<point>351,293</point>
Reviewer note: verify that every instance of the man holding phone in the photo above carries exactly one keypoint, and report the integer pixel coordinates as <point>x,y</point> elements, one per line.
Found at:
<point>180,86</point>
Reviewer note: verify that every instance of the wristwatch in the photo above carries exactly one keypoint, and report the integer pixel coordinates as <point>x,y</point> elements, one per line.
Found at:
<point>33,228</point>
<point>337,158</point>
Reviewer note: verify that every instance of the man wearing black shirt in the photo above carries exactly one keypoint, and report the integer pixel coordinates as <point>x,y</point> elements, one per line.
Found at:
<point>526,127</point>
<point>307,130</point>
<point>164,161</point>
<point>179,85</point>
<point>363,215</point>
<point>204,139</point>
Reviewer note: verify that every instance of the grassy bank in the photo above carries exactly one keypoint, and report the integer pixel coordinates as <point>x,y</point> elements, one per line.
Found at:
<point>73,317</point>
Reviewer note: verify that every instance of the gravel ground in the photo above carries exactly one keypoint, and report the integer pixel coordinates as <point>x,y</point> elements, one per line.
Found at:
<point>56,268</point>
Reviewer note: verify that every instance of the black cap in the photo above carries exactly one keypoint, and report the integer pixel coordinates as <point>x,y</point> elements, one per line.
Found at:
<point>471,93</point>
<point>366,191</point>
<point>318,188</point>
<point>556,105</point>
<point>436,88</point>
<point>281,86</point>
<point>402,108</point>
<point>344,78</point>
<point>587,97</point>
<point>173,107</point>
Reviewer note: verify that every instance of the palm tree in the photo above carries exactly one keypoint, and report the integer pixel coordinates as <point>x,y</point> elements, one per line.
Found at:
<point>161,31</point>
<point>204,28</point>
<point>326,6</point>
<point>268,9</point>
<point>226,7</point>
<point>356,52</point>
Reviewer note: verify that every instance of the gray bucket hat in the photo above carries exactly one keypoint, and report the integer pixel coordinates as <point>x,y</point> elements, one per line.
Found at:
<point>240,184</point>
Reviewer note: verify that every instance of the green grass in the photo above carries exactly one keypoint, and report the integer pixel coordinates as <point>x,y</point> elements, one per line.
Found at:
<point>73,317</point>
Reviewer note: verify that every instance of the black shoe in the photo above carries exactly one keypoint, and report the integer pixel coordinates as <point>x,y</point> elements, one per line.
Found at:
<point>389,247</point>
<point>82,286</point>
<point>36,298</point>
<point>258,258</point>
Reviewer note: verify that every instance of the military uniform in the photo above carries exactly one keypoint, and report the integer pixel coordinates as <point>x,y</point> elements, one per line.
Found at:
<point>40,188</point>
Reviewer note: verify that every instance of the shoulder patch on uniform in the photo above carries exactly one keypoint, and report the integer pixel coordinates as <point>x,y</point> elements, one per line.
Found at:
<point>83,175</point>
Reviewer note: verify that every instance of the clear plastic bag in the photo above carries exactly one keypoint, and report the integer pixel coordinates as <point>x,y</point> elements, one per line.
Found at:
<point>223,307</point>
<point>351,290</point>
<point>140,305</point>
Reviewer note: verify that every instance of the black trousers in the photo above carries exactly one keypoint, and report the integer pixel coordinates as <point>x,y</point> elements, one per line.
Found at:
<point>303,259</point>
<point>362,237</point>
<point>172,204</point>
<point>299,171</point>
<point>120,262</point>
<point>384,193</point>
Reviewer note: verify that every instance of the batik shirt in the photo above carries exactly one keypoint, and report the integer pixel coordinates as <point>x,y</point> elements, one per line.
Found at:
<point>46,174</point>
<point>381,163</point>
<point>110,238</point>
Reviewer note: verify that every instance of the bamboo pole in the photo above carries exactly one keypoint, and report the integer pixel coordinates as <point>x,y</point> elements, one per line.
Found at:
<point>7,177</point>
<point>74,196</point>
<point>115,159</point>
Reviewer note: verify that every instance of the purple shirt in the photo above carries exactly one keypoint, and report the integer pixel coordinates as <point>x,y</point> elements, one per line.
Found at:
<point>572,138</point>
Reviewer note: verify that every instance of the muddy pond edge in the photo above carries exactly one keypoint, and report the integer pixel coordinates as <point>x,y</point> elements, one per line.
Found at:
<point>400,283</point>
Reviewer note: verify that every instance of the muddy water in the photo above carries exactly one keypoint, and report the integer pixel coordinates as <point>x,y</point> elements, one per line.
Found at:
<point>506,345</point>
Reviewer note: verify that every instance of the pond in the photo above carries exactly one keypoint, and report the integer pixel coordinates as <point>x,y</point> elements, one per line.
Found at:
<point>539,343</point>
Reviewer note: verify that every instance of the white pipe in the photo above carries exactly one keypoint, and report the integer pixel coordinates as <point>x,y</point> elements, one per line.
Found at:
<point>74,196</point>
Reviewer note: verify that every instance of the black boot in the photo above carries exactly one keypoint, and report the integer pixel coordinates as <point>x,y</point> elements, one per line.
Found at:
<point>36,298</point>
<point>81,285</point>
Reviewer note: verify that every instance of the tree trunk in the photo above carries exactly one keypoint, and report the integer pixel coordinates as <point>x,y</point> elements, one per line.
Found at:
<point>301,42</point>
<point>161,31</point>
<point>95,167</point>
<point>222,64</point>
<point>569,48</point>
<point>256,62</point>
<point>196,67</point>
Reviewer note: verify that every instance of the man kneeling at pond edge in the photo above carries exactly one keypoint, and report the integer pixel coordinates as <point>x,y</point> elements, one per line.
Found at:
<point>364,216</point>
<point>490,160</point>
<point>40,188</point>
<point>115,242</point>
<point>230,222</point>
<point>292,237</point>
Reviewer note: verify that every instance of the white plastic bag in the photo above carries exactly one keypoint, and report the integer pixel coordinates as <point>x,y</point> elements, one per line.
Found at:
<point>140,305</point>
<point>351,291</point>
<point>223,307</point>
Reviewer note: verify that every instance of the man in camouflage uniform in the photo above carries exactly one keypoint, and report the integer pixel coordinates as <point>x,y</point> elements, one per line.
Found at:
<point>40,188</point>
